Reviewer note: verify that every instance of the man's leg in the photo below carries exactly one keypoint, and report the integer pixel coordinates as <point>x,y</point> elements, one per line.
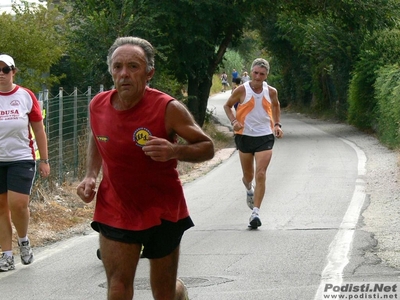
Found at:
<point>247,162</point>
<point>120,261</point>
<point>163,278</point>
<point>263,159</point>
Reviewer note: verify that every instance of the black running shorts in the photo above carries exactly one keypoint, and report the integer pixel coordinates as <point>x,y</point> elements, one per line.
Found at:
<point>17,176</point>
<point>251,144</point>
<point>158,241</point>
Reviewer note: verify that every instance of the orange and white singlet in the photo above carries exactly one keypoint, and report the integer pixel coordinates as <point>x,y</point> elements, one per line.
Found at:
<point>255,113</point>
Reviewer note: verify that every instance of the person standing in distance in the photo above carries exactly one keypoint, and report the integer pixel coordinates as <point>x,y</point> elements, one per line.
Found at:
<point>245,77</point>
<point>19,111</point>
<point>256,124</point>
<point>224,81</point>
<point>140,199</point>
<point>235,75</point>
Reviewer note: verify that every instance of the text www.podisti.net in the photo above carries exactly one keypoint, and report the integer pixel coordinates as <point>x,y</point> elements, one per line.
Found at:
<point>362,290</point>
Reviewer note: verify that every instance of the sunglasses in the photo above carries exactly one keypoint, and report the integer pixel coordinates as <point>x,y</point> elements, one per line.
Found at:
<point>6,70</point>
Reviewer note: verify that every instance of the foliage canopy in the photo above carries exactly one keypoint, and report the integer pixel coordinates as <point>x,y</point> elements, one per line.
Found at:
<point>325,55</point>
<point>36,40</point>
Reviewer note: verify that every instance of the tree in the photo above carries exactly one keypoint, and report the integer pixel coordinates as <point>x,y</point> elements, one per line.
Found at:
<point>95,24</point>
<point>388,106</point>
<point>380,51</point>
<point>34,38</point>
<point>317,44</point>
<point>191,38</point>
<point>250,47</point>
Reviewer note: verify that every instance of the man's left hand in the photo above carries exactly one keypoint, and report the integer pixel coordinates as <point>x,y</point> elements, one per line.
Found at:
<point>159,149</point>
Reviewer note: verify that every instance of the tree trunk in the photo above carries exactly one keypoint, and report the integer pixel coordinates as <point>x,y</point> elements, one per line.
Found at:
<point>198,94</point>
<point>199,86</point>
<point>193,99</point>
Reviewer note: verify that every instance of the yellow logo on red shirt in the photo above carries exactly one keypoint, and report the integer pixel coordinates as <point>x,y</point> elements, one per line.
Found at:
<point>101,138</point>
<point>141,136</point>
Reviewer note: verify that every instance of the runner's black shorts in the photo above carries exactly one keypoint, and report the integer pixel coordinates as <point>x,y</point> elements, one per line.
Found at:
<point>17,176</point>
<point>158,241</point>
<point>251,144</point>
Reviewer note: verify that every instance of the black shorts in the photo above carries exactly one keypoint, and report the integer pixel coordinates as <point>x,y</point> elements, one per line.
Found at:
<point>17,176</point>
<point>238,80</point>
<point>158,241</point>
<point>251,144</point>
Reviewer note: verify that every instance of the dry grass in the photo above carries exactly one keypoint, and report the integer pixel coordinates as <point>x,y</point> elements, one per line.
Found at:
<point>221,140</point>
<point>60,213</point>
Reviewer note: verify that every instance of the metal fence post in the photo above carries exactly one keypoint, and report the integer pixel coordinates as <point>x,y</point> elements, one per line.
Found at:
<point>75,134</point>
<point>46,110</point>
<point>60,136</point>
<point>89,98</point>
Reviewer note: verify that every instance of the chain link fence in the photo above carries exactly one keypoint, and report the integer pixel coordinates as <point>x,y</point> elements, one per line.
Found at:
<point>66,120</point>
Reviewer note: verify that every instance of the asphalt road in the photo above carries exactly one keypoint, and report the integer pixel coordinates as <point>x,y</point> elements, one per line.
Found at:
<point>310,235</point>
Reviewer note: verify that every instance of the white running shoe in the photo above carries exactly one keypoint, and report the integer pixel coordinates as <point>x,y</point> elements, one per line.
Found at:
<point>6,263</point>
<point>250,197</point>
<point>26,252</point>
<point>254,221</point>
<point>185,291</point>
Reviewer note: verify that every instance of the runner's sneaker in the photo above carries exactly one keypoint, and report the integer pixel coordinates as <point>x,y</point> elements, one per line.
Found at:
<point>26,252</point>
<point>6,263</point>
<point>184,288</point>
<point>250,197</point>
<point>254,221</point>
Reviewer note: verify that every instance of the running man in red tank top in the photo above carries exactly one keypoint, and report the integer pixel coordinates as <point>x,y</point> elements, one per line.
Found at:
<point>140,200</point>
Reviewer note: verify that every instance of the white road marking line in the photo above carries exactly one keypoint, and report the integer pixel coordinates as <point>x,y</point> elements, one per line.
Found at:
<point>341,244</point>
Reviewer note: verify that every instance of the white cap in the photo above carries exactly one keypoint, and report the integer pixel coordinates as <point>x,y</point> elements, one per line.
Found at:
<point>7,59</point>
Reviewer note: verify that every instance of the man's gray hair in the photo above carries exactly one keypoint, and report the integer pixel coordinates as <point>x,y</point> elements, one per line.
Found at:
<point>260,62</point>
<point>131,40</point>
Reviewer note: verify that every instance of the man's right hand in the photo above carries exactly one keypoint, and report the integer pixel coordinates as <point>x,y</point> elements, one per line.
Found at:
<point>86,189</point>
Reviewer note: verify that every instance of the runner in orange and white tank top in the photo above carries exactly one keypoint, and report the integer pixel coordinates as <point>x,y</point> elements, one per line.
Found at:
<point>256,124</point>
<point>255,112</point>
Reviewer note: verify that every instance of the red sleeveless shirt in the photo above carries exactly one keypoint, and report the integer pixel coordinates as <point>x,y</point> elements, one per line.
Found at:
<point>135,192</point>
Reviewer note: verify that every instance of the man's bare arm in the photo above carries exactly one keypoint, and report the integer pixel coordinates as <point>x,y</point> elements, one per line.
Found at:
<point>86,190</point>
<point>198,147</point>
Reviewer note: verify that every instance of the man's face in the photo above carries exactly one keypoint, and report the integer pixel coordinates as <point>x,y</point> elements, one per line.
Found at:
<point>128,70</point>
<point>259,73</point>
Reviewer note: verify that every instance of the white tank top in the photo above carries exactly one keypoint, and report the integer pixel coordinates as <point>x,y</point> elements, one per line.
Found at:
<point>255,113</point>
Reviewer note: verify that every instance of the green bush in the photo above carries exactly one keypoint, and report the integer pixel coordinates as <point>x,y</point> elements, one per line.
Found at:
<point>381,49</point>
<point>387,93</point>
<point>168,84</point>
<point>216,85</point>
<point>361,99</point>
